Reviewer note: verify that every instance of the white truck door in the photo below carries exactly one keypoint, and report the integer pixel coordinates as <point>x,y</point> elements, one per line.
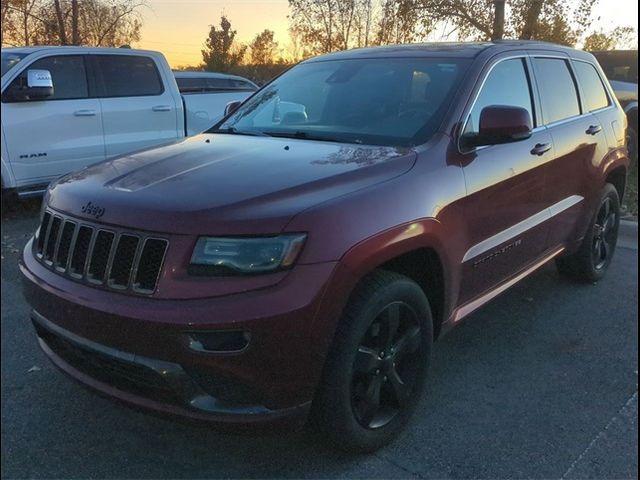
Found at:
<point>48,138</point>
<point>138,111</point>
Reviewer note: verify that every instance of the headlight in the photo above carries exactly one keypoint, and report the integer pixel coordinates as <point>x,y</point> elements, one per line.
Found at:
<point>224,256</point>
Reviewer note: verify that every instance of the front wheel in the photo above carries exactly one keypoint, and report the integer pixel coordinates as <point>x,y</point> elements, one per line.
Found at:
<point>375,372</point>
<point>591,262</point>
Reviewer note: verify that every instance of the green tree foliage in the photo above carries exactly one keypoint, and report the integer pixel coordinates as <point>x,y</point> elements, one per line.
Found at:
<point>263,49</point>
<point>221,54</point>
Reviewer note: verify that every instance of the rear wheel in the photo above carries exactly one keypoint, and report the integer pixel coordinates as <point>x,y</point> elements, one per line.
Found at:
<point>376,369</point>
<point>591,262</point>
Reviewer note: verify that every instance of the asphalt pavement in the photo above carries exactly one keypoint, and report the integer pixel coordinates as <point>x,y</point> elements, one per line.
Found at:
<point>540,383</point>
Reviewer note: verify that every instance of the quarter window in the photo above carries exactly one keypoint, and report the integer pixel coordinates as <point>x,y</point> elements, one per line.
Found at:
<point>128,76</point>
<point>595,96</point>
<point>558,92</point>
<point>508,85</point>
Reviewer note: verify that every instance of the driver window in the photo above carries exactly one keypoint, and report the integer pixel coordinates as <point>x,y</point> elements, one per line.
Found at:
<point>508,85</point>
<point>68,75</point>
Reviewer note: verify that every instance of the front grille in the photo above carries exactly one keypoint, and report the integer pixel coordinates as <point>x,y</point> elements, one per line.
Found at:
<point>99,256</point>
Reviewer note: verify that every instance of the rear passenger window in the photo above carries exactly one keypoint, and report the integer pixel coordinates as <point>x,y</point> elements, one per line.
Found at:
<point>128,76</point>
<point>558,92</point>
<point>595,96</point>
<point>508,85</point>
<point>67,73</point>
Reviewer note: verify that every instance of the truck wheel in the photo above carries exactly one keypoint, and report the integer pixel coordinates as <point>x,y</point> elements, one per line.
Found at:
<point>375,372</point>
<point>591,262</point>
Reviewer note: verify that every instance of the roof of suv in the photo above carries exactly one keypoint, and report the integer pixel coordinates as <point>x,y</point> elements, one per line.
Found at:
<point>449,49</point>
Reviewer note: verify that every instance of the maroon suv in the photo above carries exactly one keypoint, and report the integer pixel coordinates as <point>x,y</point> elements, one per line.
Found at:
<point>299,259</point>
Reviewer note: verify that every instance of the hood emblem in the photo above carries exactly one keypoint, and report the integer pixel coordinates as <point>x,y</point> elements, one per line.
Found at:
<point>93,210</point>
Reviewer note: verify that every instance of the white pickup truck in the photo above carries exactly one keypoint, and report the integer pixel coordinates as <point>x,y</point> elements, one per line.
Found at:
<point>64,108</point>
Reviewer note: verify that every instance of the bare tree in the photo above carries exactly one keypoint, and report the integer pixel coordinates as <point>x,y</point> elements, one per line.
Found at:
<point>78,22</point>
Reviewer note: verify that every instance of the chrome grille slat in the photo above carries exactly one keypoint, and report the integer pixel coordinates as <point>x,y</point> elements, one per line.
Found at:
<point>80,251</point>
<point>64,244</point>
<point>72,247</point>
<point>52,240</point>
<point>42,234</point>
<point>121,271</point>
<point>100,257</point>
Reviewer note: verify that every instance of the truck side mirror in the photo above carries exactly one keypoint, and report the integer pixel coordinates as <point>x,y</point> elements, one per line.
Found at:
<point>39,84</point>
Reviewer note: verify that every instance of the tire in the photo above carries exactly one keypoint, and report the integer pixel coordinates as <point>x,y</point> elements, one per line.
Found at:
<point>368,362</point>
<point>593,258</point>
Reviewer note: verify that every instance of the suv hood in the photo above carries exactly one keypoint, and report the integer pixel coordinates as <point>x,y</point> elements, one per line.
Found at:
<point>223,184</point>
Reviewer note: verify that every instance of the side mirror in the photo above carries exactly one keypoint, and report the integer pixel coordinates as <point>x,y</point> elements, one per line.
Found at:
<point>39,84</point>
<point>501,124</point>
<point>231,107</point>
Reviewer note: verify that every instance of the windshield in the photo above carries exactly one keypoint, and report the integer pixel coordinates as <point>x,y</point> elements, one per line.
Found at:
<point>390,101</point>
<point>9,59</point>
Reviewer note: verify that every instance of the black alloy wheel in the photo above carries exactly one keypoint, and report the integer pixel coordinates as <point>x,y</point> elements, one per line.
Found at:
<point>604,234</point>
<point>384,370</point>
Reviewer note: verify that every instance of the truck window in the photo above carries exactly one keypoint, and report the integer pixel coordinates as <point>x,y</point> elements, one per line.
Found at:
<point>558,92</point>
<point>127,76</point>
<point>67,72</point>
<point>207,84</point>
<point>518,93</point>
<point>595,96</point>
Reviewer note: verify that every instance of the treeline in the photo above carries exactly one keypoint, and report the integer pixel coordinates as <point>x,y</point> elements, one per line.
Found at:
<point>97,23</point>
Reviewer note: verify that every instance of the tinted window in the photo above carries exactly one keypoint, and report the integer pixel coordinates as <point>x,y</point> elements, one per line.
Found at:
<point>67,73</point>
<point>507,84</point>
<point>128,76</point>
<point>595,96</point>
<point>205,84</point>
<point>557,89</point>
<point>374,101</point>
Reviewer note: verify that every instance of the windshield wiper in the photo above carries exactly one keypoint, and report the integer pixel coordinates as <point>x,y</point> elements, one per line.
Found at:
<point>311,136</point>
<point>235,131</point>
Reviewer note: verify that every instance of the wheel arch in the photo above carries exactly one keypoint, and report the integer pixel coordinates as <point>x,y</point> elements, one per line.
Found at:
<point>413,250</point>
<point>618,178</point>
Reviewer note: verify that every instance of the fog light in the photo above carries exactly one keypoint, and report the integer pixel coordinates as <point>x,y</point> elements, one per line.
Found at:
<point>219,342</point>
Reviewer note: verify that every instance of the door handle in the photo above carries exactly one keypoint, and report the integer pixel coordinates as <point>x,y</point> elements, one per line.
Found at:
<point>593,129</point>
<point>540,149</point>
<point>85,113</point>
<point>161,108</point>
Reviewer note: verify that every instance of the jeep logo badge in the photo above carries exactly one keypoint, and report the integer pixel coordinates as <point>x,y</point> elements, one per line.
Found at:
<point>94,210</point>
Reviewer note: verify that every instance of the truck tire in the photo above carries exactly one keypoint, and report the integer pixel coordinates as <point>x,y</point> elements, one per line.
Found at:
<point>591,262</point>
<point>375,372</point>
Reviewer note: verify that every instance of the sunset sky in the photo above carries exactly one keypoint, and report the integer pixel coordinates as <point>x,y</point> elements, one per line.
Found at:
<point>178,28</point>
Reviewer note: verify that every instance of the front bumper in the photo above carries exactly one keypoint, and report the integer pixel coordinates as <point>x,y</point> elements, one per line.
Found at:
<point>147,383</point>
<point>136,349</point>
